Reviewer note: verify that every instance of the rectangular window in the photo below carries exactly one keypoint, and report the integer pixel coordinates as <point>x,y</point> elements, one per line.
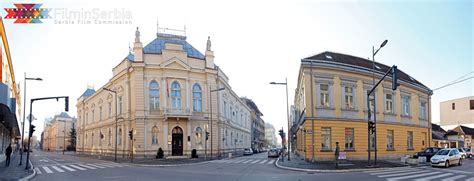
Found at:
<point>372,100</point>
<point>453,106</point>
<point>390,140</point>
<point>423,110</point>
<point>325,138</point>
<point>409,140</point>
<point>349,135</point>
<point>388,103</point>
<point>406,105</point>
<point>372,142</point>
<point>324,95</point>
<point>471,104</point>
<point>93,115</point>
<point>349,98</point>
<point>100,113</point>
<point>110,109</point>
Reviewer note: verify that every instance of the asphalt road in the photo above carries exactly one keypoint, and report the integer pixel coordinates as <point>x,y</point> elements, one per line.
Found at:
<point>55,166</point>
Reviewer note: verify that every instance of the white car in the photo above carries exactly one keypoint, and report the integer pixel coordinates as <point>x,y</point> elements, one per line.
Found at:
<point>446,157</point>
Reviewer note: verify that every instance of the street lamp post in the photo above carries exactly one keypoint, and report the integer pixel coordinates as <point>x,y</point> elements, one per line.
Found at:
<point>115,94</point>
<point>24,107</point>
<point>287,113</point>
<point>375,106</point>
<point>210,105</point>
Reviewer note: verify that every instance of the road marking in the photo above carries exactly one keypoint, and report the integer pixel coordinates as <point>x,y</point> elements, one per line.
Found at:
<point>412,176</point>
<point>247,161</point>
<point>400,174</point>
<point>94,165</point>
<point>389,171</point>
<point>38,171</point>
<point>454,178</point>
<point>67,168</point>
<point>255,161</point>
<point>433,177</point>
<point>76,167</point>
<point>47,170</point>
<point>89,167</point>
<point>57,169</point>
<point>271,162</point>
<point>107,165</point>
<point>262,162</point>
<point>239,161</point>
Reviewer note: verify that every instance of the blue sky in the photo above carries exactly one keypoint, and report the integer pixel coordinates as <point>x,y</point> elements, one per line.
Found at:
<point>262,41</point>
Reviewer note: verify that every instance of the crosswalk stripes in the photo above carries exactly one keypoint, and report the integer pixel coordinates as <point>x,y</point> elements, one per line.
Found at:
<point>271,161</point>
<point>245,161</point>
<point>416,174</point>
<point>255,161</point>
<point>72,167</point>
<point>57,169</point>
<point>263,161</point>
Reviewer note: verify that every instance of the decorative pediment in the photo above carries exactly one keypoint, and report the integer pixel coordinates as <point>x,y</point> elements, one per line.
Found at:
<point>175,63</point>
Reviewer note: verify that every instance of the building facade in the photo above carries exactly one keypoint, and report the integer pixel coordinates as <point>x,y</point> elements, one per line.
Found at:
<point>460,137</point>
<point>331,96</point>
<point>57,133</point>
<point>457,112</point>
<point>168,95</point>
<point>257,126</point>
<point>270,136</point>
<point>10,100</point>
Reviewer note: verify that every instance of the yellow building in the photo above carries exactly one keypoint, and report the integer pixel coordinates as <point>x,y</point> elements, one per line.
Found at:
<point>331,106</point>
<point>164,93</point>
<point>56,134</point>
<point>10,100</point>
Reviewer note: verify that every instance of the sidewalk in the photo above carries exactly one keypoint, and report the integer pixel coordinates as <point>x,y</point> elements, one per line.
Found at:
<point>150,160</point>
<point>15,171</point>
<point>298,164</point>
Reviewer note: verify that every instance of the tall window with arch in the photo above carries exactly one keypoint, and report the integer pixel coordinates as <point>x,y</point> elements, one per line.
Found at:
<point>154,95</point>
<point>176,94</point>
<point>110,137</point>
<point>199,137</point>
<point>197,98</point>
<point>154,135</point>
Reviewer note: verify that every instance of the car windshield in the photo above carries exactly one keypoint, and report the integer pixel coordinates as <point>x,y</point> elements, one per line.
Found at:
<point>461,150</point>
<point>429,150</point>
<point>443,152</point>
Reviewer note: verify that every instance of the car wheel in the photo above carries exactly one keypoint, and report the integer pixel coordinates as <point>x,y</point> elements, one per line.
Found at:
<point>460,162</point>
<point>446,164</point>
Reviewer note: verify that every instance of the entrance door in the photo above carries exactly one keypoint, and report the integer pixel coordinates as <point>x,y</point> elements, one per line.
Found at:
<point>177,142</point>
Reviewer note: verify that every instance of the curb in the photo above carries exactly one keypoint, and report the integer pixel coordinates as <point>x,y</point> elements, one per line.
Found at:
<point>171,165</point>
<point>31,175</point>
<point>329,171</point>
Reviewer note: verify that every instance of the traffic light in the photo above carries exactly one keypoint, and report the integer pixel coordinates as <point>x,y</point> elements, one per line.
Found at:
<point>32,129</point>
<point>130,134</point>
<point>207,135</point>
<point>66,104</point>
<point>372,127</point>
<point>394,77</point>
<point>281,133</point>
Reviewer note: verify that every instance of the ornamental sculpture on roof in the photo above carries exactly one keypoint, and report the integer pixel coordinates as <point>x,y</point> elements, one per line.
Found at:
<point>208,47</point>
<point>137,36</point>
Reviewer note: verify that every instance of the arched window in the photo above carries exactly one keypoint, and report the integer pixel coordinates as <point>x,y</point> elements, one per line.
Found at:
<point>197,98</point>
<point>154,135</point>
<point>119,136</point>
<point>154,95</point>
<point>110,136</point>
<point>199,137</point>
<point>92,139</point>
<point>176,94</point>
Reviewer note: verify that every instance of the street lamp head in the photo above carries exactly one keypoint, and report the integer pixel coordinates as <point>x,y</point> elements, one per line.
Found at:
<point>272,82</point>
<point>39,79</point>
<point>383,43</point>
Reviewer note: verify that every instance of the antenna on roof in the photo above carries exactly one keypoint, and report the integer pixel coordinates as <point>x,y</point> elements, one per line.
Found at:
<point>157,27</point>
<point>184,30</point>
<point>129,47</point>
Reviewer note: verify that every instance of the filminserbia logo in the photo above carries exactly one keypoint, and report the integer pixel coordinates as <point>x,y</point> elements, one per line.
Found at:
<point>27,13</point>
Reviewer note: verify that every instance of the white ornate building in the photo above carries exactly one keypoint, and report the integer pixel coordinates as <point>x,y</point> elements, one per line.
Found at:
<point>163,95</point>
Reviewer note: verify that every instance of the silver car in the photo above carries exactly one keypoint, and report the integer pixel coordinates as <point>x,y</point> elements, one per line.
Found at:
<point>273,153</point>
<point>469,152</point>
<point>446,157</point>
<point>463,153</point>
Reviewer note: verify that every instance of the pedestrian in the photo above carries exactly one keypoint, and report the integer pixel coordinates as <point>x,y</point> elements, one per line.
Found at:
<point>8,154</point>
<point>336,155</point>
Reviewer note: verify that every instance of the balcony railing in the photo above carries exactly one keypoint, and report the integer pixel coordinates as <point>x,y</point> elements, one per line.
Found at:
<point>156,112</point>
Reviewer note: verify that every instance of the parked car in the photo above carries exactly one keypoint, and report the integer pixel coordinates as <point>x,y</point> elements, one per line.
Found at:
<point>469,153</point>
<point>248,151</point>
<point>273,153</point>
<point>428,153</point>
<point>463,153</point>
<point>446,157</point>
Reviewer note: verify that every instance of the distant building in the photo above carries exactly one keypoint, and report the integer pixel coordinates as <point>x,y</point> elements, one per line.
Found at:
<point>10,100</point>
<point>56,134</point>
<point>257,125</point>
<point>439,137</point>
<point>457,112</point>
<point>460,137</point>
<point>270,136</point>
